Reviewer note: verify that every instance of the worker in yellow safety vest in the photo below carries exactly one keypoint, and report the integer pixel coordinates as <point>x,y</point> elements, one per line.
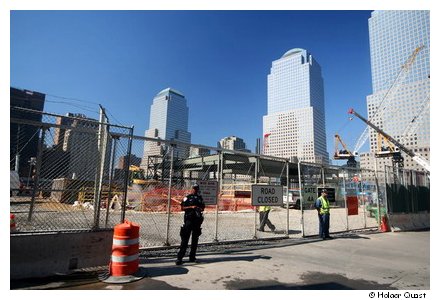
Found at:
<point>322,205</point>
<point>264,218</point>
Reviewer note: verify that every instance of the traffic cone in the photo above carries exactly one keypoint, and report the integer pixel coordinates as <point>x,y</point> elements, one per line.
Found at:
<point>384,226</point>
<point>13,225</point>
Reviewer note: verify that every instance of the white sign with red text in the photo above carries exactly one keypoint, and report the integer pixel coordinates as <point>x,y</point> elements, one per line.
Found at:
<point>209,191</point>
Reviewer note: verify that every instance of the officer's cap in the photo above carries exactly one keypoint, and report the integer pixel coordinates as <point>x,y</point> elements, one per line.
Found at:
<point>195,186</point>
<point>323,191</point>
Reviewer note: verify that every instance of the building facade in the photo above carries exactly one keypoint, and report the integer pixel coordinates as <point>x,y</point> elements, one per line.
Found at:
<point>168,121</point>
<point>399,104</point>
<point>294,126</point>
<point>24,138</point>
<point>79,139</point>
<point>233,143</point>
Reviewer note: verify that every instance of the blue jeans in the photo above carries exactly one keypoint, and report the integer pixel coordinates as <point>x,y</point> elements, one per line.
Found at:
<point>324,225</point>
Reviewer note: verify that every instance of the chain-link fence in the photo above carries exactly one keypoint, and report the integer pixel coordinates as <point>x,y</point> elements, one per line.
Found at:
<point>355,195</point>
<point>60,175</point>
<point>74,173</point>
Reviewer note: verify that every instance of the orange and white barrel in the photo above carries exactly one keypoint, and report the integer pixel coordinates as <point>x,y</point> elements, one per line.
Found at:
<point>125,249</point>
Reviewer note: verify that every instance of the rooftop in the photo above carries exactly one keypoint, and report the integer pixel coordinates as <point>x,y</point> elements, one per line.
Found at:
<point>170,90</point>
<point>292,51</point>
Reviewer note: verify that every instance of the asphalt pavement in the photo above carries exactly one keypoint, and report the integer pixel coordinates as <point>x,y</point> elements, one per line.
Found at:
<point>364,260</point>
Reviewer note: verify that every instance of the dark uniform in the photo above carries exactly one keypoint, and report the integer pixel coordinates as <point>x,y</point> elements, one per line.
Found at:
<point>193,206</point>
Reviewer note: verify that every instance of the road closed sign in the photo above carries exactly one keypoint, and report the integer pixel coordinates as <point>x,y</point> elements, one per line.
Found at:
<point>267,195</point>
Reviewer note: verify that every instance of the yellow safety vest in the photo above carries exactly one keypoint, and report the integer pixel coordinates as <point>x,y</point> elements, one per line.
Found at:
<point>263,208</point>
<point>325,206</point>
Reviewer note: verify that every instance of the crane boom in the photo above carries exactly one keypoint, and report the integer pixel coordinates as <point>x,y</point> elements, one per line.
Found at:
<point>404,71</point>
<point>420,160</point>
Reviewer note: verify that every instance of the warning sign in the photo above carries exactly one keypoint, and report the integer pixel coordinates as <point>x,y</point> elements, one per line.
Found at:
<point>209,191</point>
<point>267,195</point>
<point>310,193</point>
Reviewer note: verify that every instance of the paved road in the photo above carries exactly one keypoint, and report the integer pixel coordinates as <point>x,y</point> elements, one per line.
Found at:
<point>359,261</point>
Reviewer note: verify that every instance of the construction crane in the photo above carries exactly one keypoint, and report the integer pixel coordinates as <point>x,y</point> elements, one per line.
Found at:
<point>417,158</point>
<point>415,122</point>
<point>385,147</point>
<point>388,96</point>
<point>344,153</point>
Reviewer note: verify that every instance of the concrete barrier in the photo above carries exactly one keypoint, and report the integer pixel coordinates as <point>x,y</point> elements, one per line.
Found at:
<point>42,255</point>
<point>410,221</point>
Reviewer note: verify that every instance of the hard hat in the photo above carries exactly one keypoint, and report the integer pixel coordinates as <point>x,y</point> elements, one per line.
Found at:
<point>324,191</point>
<point>195,186</point>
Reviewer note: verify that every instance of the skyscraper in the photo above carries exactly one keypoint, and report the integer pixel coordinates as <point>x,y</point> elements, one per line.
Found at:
<point>24,138</point>
<point>294,126</point>
<point>394,36</point>
<point>168,121</point>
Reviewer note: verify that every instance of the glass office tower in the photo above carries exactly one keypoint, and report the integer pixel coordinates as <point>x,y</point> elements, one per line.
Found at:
<point>394,36</point>
<point>168,121</point>
<point>294,126</point>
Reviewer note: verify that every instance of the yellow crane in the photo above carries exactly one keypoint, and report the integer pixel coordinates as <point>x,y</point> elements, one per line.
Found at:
<point>343,153</point>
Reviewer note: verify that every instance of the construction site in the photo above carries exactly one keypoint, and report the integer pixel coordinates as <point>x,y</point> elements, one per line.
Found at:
<point>85,178</point>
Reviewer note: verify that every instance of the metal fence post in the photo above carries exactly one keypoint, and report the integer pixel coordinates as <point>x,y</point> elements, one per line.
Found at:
<point>363,198</point>
<point>220,188</point>
<point>112,165</point>
<point>255,182</point>
<point>301,198</point>
<point>287,199</point>
<point>377,183</point>
<point>379,214</point>
<point>127,174</point>
<point>102,146</point>
<point>345,196</point>
<point>37,171</point>
<point>170,183</point>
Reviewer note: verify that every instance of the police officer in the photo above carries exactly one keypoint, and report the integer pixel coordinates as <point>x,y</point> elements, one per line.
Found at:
<point>322,205</point>
<point>193,207</point>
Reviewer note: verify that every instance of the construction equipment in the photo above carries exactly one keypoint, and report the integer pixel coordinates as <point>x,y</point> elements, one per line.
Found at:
<point>385,147</point>
<point>344,153</point>
<point>137,175</point>
<point>417,158</point>
<point>404,71</point>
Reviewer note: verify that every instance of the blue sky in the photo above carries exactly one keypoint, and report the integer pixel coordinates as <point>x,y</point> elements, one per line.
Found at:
<point>218,59</point>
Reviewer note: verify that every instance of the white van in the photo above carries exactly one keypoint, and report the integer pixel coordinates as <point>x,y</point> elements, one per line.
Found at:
<point>15,183</point>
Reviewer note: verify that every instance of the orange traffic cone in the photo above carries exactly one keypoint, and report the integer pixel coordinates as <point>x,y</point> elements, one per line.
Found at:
<point>13,225</point>
<point>384,226</point>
